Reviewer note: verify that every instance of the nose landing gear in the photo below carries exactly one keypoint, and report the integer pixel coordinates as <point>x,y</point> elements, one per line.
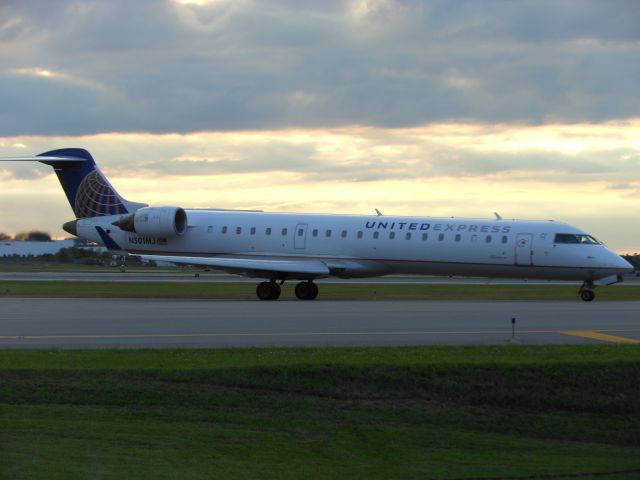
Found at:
<point>586,291</point>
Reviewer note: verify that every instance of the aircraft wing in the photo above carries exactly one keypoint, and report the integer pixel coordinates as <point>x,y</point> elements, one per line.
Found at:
<point>253,267</point>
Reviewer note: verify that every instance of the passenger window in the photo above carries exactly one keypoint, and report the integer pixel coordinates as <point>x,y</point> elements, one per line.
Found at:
<point>458,237</point>
<point>408,236</point>
<point>344,234</point>
<point>441,237</point>
<point>300,232</point>
<point>505,239</point>
<point>238,230</point>
<point>224,229</point>
<point>425,236</point>
<point>376,235</point>
<point>253,230</point>
<point>327,233</point>
<point>488,239</point>
<point>268,231</point>
<point>392,235</point>
<point>359,233</point>
<point>474,238</point>
<point>284,232</point>
<point>315,232</point>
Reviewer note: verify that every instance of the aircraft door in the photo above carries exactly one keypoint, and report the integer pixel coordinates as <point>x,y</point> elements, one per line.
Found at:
<point>524,249</point>
<point>300,238</point>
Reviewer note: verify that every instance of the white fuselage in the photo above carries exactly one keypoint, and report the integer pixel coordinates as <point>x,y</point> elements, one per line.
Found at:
<point>362,246</point>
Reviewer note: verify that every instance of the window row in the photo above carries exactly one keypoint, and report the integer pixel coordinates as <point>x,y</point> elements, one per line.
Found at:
<point>360,234</point>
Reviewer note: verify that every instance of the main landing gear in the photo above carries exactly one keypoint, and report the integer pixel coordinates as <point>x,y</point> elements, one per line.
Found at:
<point>268,291</point>
<point>271,290</point>
<point>586,291</point>
<point>306,290</point>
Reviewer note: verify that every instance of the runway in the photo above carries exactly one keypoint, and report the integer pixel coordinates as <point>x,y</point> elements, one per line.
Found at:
<point>98,323</point>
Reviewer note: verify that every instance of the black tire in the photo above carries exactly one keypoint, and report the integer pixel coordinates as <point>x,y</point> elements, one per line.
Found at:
<point>587,295</point>
<point>275,291</point>
<point>268,291</point>
<point>306,290</point>
<point>302,291</point>
<point>314,291</point>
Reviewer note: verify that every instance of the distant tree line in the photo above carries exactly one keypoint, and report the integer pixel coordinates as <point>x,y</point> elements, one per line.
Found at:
<point>33,236</point>
<point>80,256</point>
<point>85,256</point>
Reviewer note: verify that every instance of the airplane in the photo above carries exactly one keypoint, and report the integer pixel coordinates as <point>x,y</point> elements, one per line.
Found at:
<point>279,247</point>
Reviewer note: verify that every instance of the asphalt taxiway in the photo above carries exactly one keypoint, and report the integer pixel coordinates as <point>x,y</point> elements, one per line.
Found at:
<point>97,323</point>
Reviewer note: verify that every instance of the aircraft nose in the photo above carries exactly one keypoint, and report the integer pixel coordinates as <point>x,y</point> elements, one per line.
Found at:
<point>620,263</point>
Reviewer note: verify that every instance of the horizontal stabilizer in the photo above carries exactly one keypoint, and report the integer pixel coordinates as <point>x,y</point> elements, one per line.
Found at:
<point>42,159</point>
<point>253,267</point>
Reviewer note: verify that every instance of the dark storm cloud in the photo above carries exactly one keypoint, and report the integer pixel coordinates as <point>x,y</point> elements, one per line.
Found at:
<point>159,66</point>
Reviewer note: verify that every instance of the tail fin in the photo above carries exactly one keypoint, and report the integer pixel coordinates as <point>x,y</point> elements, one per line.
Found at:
<point>88,190</point>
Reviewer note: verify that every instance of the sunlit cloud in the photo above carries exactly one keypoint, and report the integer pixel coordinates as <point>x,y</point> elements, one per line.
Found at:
<point>44,73</point>
<point>37,72</point>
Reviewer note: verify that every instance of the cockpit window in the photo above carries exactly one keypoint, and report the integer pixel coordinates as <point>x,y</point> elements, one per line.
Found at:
<point>575,238</point>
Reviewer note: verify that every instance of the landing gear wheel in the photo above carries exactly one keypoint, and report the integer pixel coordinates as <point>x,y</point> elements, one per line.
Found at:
<point>587,295</point>
<point>268,291</point>
<point>586,291</point>
<point>306,290</point>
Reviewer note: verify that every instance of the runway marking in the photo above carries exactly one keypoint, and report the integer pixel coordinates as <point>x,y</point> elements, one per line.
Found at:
<point>579,333</point>
<point>601,336</point>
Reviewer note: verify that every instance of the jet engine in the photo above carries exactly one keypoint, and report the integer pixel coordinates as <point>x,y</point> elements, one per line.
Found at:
<point>155,222</point>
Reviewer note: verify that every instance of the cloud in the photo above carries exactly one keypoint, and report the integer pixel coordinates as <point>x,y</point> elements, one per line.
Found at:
<point>165,66</point>
<point>553,154</point>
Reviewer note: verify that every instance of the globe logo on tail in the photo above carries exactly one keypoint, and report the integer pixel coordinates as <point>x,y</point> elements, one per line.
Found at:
<point>96,197</point>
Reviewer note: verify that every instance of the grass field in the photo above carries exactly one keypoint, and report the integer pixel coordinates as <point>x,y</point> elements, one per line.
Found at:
<point>419,412</point>
<point>343,291</point>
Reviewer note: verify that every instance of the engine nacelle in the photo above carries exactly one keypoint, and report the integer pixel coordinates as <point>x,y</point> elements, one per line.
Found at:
<point>155,222</point>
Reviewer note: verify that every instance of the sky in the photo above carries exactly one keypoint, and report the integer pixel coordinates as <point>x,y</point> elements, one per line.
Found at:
<point>433,108</point>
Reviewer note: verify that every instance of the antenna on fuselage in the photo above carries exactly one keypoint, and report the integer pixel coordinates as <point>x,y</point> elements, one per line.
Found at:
<point>378,212</point>
<point>498,217</point>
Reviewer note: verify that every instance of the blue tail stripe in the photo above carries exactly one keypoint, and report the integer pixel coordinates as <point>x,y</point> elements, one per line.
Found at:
<point>107,240</point>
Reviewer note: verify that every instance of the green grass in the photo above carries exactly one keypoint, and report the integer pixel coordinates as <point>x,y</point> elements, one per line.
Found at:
<point>415,412</point>
<point>343,291</point>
